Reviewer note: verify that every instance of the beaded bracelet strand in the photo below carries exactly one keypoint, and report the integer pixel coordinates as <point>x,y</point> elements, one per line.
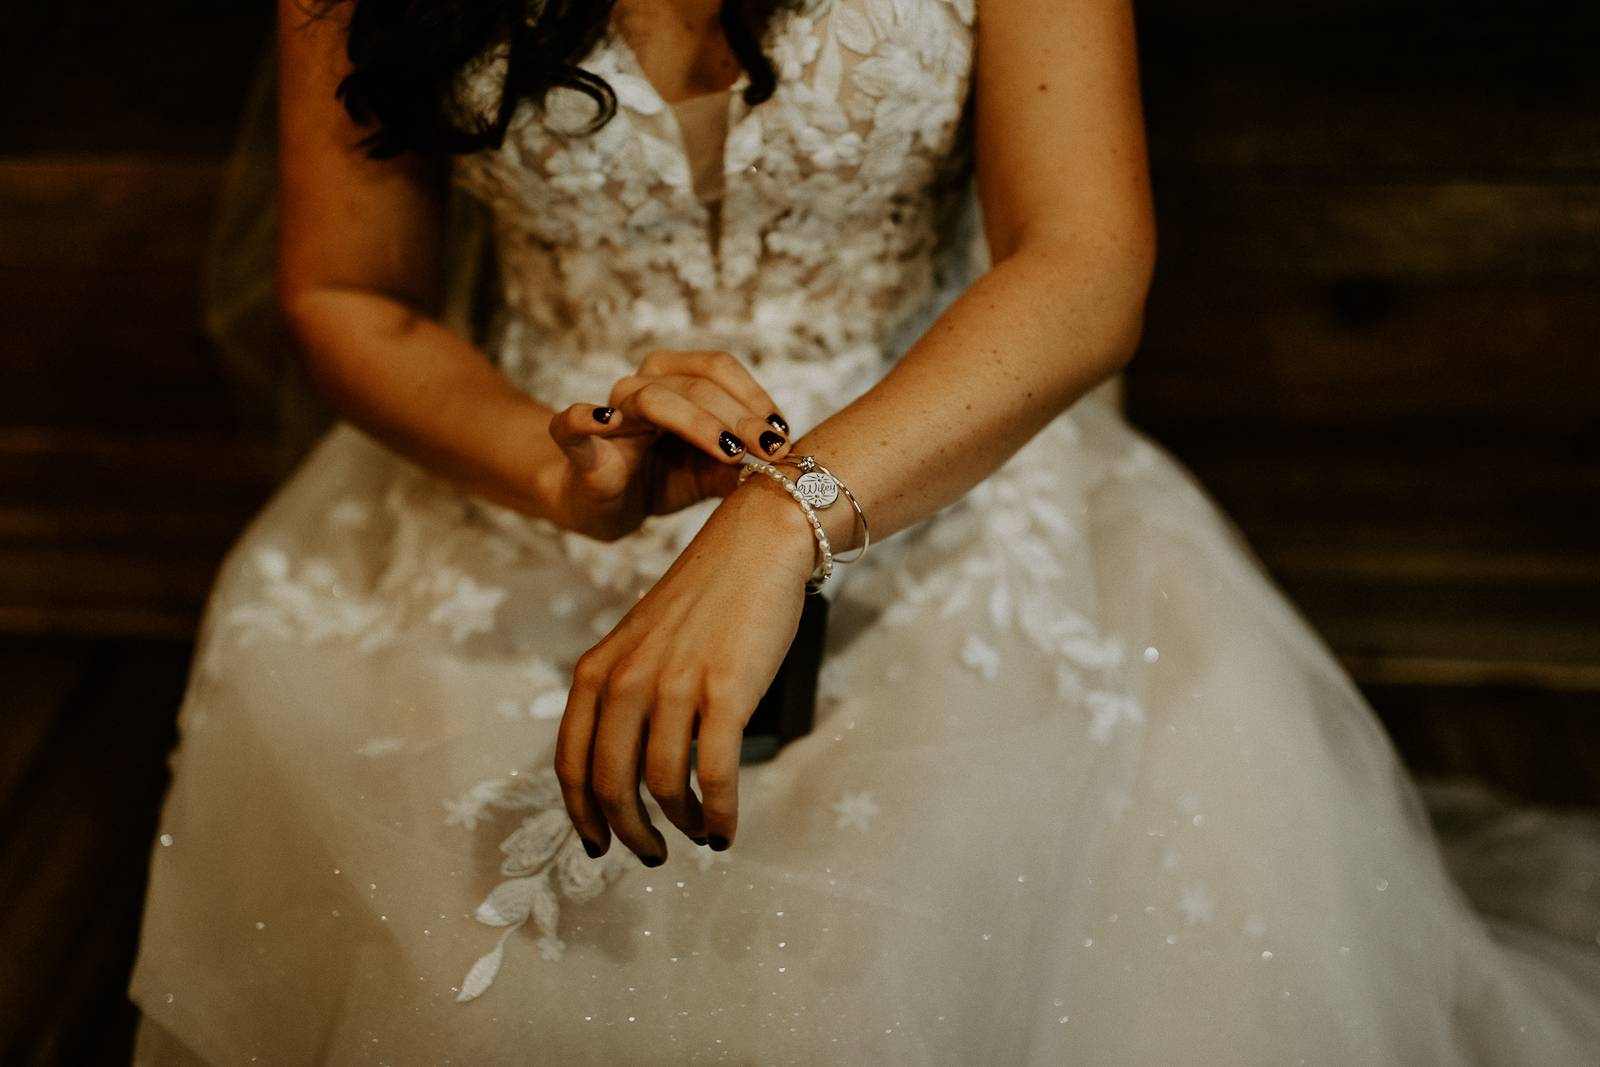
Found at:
<point>820,487</point>
<point>825,571</point>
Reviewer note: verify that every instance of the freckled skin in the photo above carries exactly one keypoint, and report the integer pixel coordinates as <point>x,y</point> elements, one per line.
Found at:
<point>1066,206</point>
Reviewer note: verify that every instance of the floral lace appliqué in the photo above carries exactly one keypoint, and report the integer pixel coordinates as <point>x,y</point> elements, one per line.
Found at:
<point>544,863</point>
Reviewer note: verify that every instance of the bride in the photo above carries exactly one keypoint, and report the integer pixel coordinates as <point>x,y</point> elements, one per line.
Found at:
<point>460,779</point>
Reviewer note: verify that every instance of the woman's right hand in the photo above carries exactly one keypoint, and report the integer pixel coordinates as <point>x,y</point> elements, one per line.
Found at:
<point>670,435</point>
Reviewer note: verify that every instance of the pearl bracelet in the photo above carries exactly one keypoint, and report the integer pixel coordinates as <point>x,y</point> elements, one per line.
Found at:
<point>820,487</point>
<point>825,570</point>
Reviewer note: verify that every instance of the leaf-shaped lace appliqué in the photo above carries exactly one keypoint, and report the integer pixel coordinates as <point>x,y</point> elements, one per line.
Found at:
<point>544,863</point>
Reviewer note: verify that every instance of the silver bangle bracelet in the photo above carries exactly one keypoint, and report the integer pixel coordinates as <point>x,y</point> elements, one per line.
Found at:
<point>825,569</point>
<point>820,488</point>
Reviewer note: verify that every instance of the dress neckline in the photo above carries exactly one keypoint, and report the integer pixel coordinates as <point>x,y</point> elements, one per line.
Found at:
<point>698,98</point>
<point>632,58</point>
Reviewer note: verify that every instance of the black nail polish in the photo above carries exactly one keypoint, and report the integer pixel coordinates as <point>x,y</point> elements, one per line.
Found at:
<point>719,843</point>
<point>730,444</point>
<point>699,841</point>
<point>652,861</point>
<point>777,423</point>
<point>591,848</point>
<point>603,414</point>
<point>770,441</point>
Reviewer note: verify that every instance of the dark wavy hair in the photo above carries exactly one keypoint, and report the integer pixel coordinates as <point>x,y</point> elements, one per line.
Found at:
<point>406,54</point>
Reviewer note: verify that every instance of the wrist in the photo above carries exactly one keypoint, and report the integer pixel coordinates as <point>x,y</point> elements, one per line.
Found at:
<point>529,463</point>
<point>770,519</point>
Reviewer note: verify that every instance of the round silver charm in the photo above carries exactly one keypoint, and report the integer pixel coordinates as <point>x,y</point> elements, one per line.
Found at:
<point>817,489</point>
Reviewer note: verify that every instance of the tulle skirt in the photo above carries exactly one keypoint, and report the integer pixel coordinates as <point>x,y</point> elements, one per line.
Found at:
<point>1082,788</point>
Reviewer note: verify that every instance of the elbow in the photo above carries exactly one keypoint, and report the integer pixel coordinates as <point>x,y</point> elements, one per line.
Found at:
<point>300,316</point>
<point>1128,274</point>
<point>1136,270</point>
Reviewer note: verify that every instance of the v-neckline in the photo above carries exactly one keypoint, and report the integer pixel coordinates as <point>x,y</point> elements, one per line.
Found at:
<point>638,68</point>
<point>735,92</point>
<point>738,116</point>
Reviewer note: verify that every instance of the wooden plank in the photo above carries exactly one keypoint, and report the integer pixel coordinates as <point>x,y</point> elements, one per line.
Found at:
<point>1541,745</point>
<point>40,677</point>
<point>1364,227</point>
<point>125,213</point>
<point>1477,625</point>
<point>1517,355</point>
<point>78,467</point>
<point>75,841</point>
<point>91,318</point>
<point>1276,118</point>
<point>129,399</point>
<point>168,75</point>
<point>128,621</point>
<point>165,582</point>
<point>1544,45</point>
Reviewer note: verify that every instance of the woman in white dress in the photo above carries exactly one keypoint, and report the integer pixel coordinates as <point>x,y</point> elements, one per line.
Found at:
<point>1081,787</point>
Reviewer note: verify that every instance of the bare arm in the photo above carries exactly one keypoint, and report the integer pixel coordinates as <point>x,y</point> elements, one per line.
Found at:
<point>359,285</point>
<point>1063,182</point>
<point>1062,175</point>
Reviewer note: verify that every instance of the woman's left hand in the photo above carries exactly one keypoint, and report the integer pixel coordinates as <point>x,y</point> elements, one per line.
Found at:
<point>689,661</point>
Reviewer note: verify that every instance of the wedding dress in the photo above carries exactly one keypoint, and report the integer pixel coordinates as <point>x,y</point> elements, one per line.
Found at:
<point>1082,788</point>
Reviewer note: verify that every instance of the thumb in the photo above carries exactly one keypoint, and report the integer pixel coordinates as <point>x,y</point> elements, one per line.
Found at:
<point>581,432</point>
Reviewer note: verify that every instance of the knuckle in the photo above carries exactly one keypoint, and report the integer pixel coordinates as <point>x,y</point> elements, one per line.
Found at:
<point>624,388</point>
<point>665,783</point>
<point>612,789</point>
<point>714,778</point>
<point>571,769</point>
<point>721,690</point>
<point>702,392</point>
<point>629,677</point>
<point>676,685</point>
<point>591,670</point>
<point>652,361</point>
<point>650,395</point>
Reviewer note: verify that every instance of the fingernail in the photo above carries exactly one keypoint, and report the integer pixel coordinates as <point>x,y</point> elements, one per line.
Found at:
<point>603,414</point>
<point>777,423</point>
<point>718,843</point>
<point>652,861</point>
<point>699,841</point>
<point>770,441</point>
<point>591,848</point>
<point>730,444</point>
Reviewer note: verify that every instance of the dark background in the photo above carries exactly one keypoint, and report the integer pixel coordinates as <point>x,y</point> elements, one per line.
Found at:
<point>1373,336</point>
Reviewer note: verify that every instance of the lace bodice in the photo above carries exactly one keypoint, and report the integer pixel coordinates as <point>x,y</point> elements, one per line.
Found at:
<point>845,209</point>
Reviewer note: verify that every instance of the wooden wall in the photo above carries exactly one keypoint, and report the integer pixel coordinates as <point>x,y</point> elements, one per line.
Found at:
<point>1376,322</point>
<point>124,470</point>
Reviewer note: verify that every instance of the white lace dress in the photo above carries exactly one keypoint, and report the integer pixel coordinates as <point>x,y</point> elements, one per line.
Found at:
<point>1083,788</point>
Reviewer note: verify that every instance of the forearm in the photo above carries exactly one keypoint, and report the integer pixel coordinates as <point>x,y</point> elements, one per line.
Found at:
<point>426,392</point>
<point>1021,344</point>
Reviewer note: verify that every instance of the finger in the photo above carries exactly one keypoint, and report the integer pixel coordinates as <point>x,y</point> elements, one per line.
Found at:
<point>717,770</point>
<point>666,761</point>
<point>580,430</point>
<point>658,403</point>
<point>579,423</point>
<point>727,371</point>
<point>574,744</point>
<point>614,769</point>
<point>748,424</point>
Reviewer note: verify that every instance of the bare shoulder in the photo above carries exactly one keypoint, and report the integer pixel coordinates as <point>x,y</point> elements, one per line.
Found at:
<point>347,220</point>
